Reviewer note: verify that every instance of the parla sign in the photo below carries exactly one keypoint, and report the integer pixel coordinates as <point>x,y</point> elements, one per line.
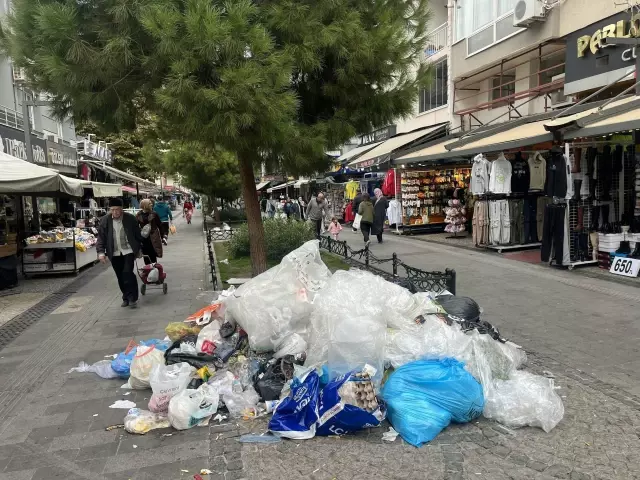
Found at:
<point>594,43</point>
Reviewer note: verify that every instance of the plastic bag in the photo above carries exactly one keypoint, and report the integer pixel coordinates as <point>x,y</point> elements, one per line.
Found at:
<point>153,276</point>
<point>356,221</point>
<point>167,381</point>
<point>348,404</point>
<point>296,416</point>
<point>141,421</point>
<point>193,407</point>
<point>242,404</point>
<point>291,345</point>
<point>173,229</point>
<point>462,307</point>
<point>356,342</point>
<point>122,363</point>
<point>423,397</point>
<point>102,369</point>
<point>270,383</point>
<point>208,338</point>
<point>524,400</point>
<point>204,315</point>
<point>184,350</point>
<point>145,359</point>
<point>277,303</point>
<point>177,330</point>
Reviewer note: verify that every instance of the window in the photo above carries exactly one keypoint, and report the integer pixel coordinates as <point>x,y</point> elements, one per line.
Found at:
<point>436,94</point>
<point>508,82</point>
<point>551,66</point>
<point>484,22</point>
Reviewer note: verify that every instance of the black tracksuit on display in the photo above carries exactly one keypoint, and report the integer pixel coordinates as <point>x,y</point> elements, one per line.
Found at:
<point>553,233</point>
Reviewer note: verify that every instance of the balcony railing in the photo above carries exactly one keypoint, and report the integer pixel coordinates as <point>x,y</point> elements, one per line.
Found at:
<point>437,41</point>
<point>10,118</point>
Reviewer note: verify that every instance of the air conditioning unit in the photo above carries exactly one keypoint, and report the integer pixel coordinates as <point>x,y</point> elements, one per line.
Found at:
<point>19,75</point>
<point>527,12</point>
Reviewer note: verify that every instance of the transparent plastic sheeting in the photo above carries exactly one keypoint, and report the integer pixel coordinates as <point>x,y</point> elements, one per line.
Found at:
<point>353,318</point>
<point>279,302</point>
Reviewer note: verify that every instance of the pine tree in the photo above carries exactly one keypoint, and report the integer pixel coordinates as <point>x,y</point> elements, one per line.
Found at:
<point>267,80</point>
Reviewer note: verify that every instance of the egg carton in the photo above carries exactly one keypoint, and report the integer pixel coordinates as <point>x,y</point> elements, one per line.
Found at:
<point>360,392</point>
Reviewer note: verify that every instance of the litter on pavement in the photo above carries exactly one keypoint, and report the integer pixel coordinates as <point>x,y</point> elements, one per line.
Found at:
<point>277,346</point>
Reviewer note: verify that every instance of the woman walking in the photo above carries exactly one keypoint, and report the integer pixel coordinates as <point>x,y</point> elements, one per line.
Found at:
<point>151,229</point>
<point>365,210</point>
<point>379,214</point>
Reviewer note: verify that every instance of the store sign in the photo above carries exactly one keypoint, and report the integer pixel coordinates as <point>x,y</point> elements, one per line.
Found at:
<point>12,143</point>
<point>62,158</point>
<point>95,151</point>
<point>591,62</point>
<point>379,135</point>
<point>628,267</point>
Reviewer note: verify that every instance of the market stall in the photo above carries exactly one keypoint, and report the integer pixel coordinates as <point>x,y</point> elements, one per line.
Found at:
<point>59,251</point>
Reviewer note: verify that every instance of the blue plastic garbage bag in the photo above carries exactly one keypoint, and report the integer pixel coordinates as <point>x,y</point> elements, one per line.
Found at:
<point>338,417</point>
<point>296,416</point>
<point>423,397</point>
<point>122,363</point>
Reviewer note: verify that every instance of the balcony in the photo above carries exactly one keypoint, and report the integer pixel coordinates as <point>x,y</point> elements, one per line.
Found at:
<point>437,41</point>
<point>10,118</point>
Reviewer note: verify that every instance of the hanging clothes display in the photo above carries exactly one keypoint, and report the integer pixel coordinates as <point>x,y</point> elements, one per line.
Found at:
<point>559,182</point>
<point>521,175</point>
<point>516,219</point>
<point>555,235</point>
<point>500,222</point>
<point>389,183</point>
<point>351,189</point>
<point>500,180</point>
<point>480,223</point>
<point>480,172</point>
<point>537,172</point>
<point>394,212</point>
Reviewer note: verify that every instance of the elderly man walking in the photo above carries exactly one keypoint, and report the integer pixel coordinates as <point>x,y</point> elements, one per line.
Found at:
<point>316,211</point>
<point>120,240</point>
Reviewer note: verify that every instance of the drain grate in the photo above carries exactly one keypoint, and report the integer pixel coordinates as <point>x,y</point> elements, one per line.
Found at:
<point>14,327</point>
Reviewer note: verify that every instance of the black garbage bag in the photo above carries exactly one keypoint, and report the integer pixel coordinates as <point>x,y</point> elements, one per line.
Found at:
<point>466,312</point>
<point>270,383</point>
<point>173,355</point>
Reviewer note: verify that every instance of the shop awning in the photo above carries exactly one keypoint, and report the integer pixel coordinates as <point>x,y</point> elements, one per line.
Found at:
<point>386,148</point>
<point>433,151</point>
<point>618,123</point>
<point>261,185</point>
<point>299,183</point>
<point>352,154</point>
<point>21,177</point>
<point>104,189</point>
<point>280,187</point>
<point>119,173</point>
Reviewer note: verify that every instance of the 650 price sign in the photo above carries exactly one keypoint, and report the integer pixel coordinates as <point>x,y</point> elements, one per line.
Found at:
<point>628,267</point>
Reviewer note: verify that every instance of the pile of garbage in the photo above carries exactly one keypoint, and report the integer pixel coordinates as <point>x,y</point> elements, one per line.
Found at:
<point>330,354</point>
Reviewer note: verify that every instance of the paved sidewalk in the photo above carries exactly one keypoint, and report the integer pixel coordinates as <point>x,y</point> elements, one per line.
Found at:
<point>52,424</point>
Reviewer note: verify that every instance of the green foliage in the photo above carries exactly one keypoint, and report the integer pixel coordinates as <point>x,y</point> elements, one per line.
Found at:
<point>209,171</point>
<point>274,80</point>
<point>281,237</point>
<point>229,214</point>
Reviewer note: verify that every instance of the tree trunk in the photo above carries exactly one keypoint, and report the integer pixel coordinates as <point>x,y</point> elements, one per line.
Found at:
<point>216,212</point>
<point>254,218</point>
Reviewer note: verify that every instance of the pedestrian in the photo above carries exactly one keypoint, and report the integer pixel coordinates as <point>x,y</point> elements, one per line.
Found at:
<point>379,214</point>
<point>354,208</point>
<point>366,212</point>
<point>316,211</point>
<point>303,208</point>
<point>288,208</point>
<point>187,210</point>
<point>163,210</point>
<point>151,230</point>
<point>335,228</point>
<point>119,240</point>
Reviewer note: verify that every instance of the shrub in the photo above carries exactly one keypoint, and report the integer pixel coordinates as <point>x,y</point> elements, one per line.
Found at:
<point>281,237</point>
<point>229,214</point>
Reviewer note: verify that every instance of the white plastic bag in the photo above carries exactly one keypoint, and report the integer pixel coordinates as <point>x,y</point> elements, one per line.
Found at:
<point>167,381</point>
<point>145,359</point>
<point>193,407</point>
<point>141,421</point>
<point>242,404</point>
<point>102,369</point>
<point>208,338</point>
<point>154,275</point>
<point>291,345</point>
<point>356,221</point>
<point>524,400</point>
<point>277,303</point>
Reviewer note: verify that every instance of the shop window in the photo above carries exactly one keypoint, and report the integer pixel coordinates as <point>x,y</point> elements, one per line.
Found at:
<point>435,95</point>
<point>508,82</point>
